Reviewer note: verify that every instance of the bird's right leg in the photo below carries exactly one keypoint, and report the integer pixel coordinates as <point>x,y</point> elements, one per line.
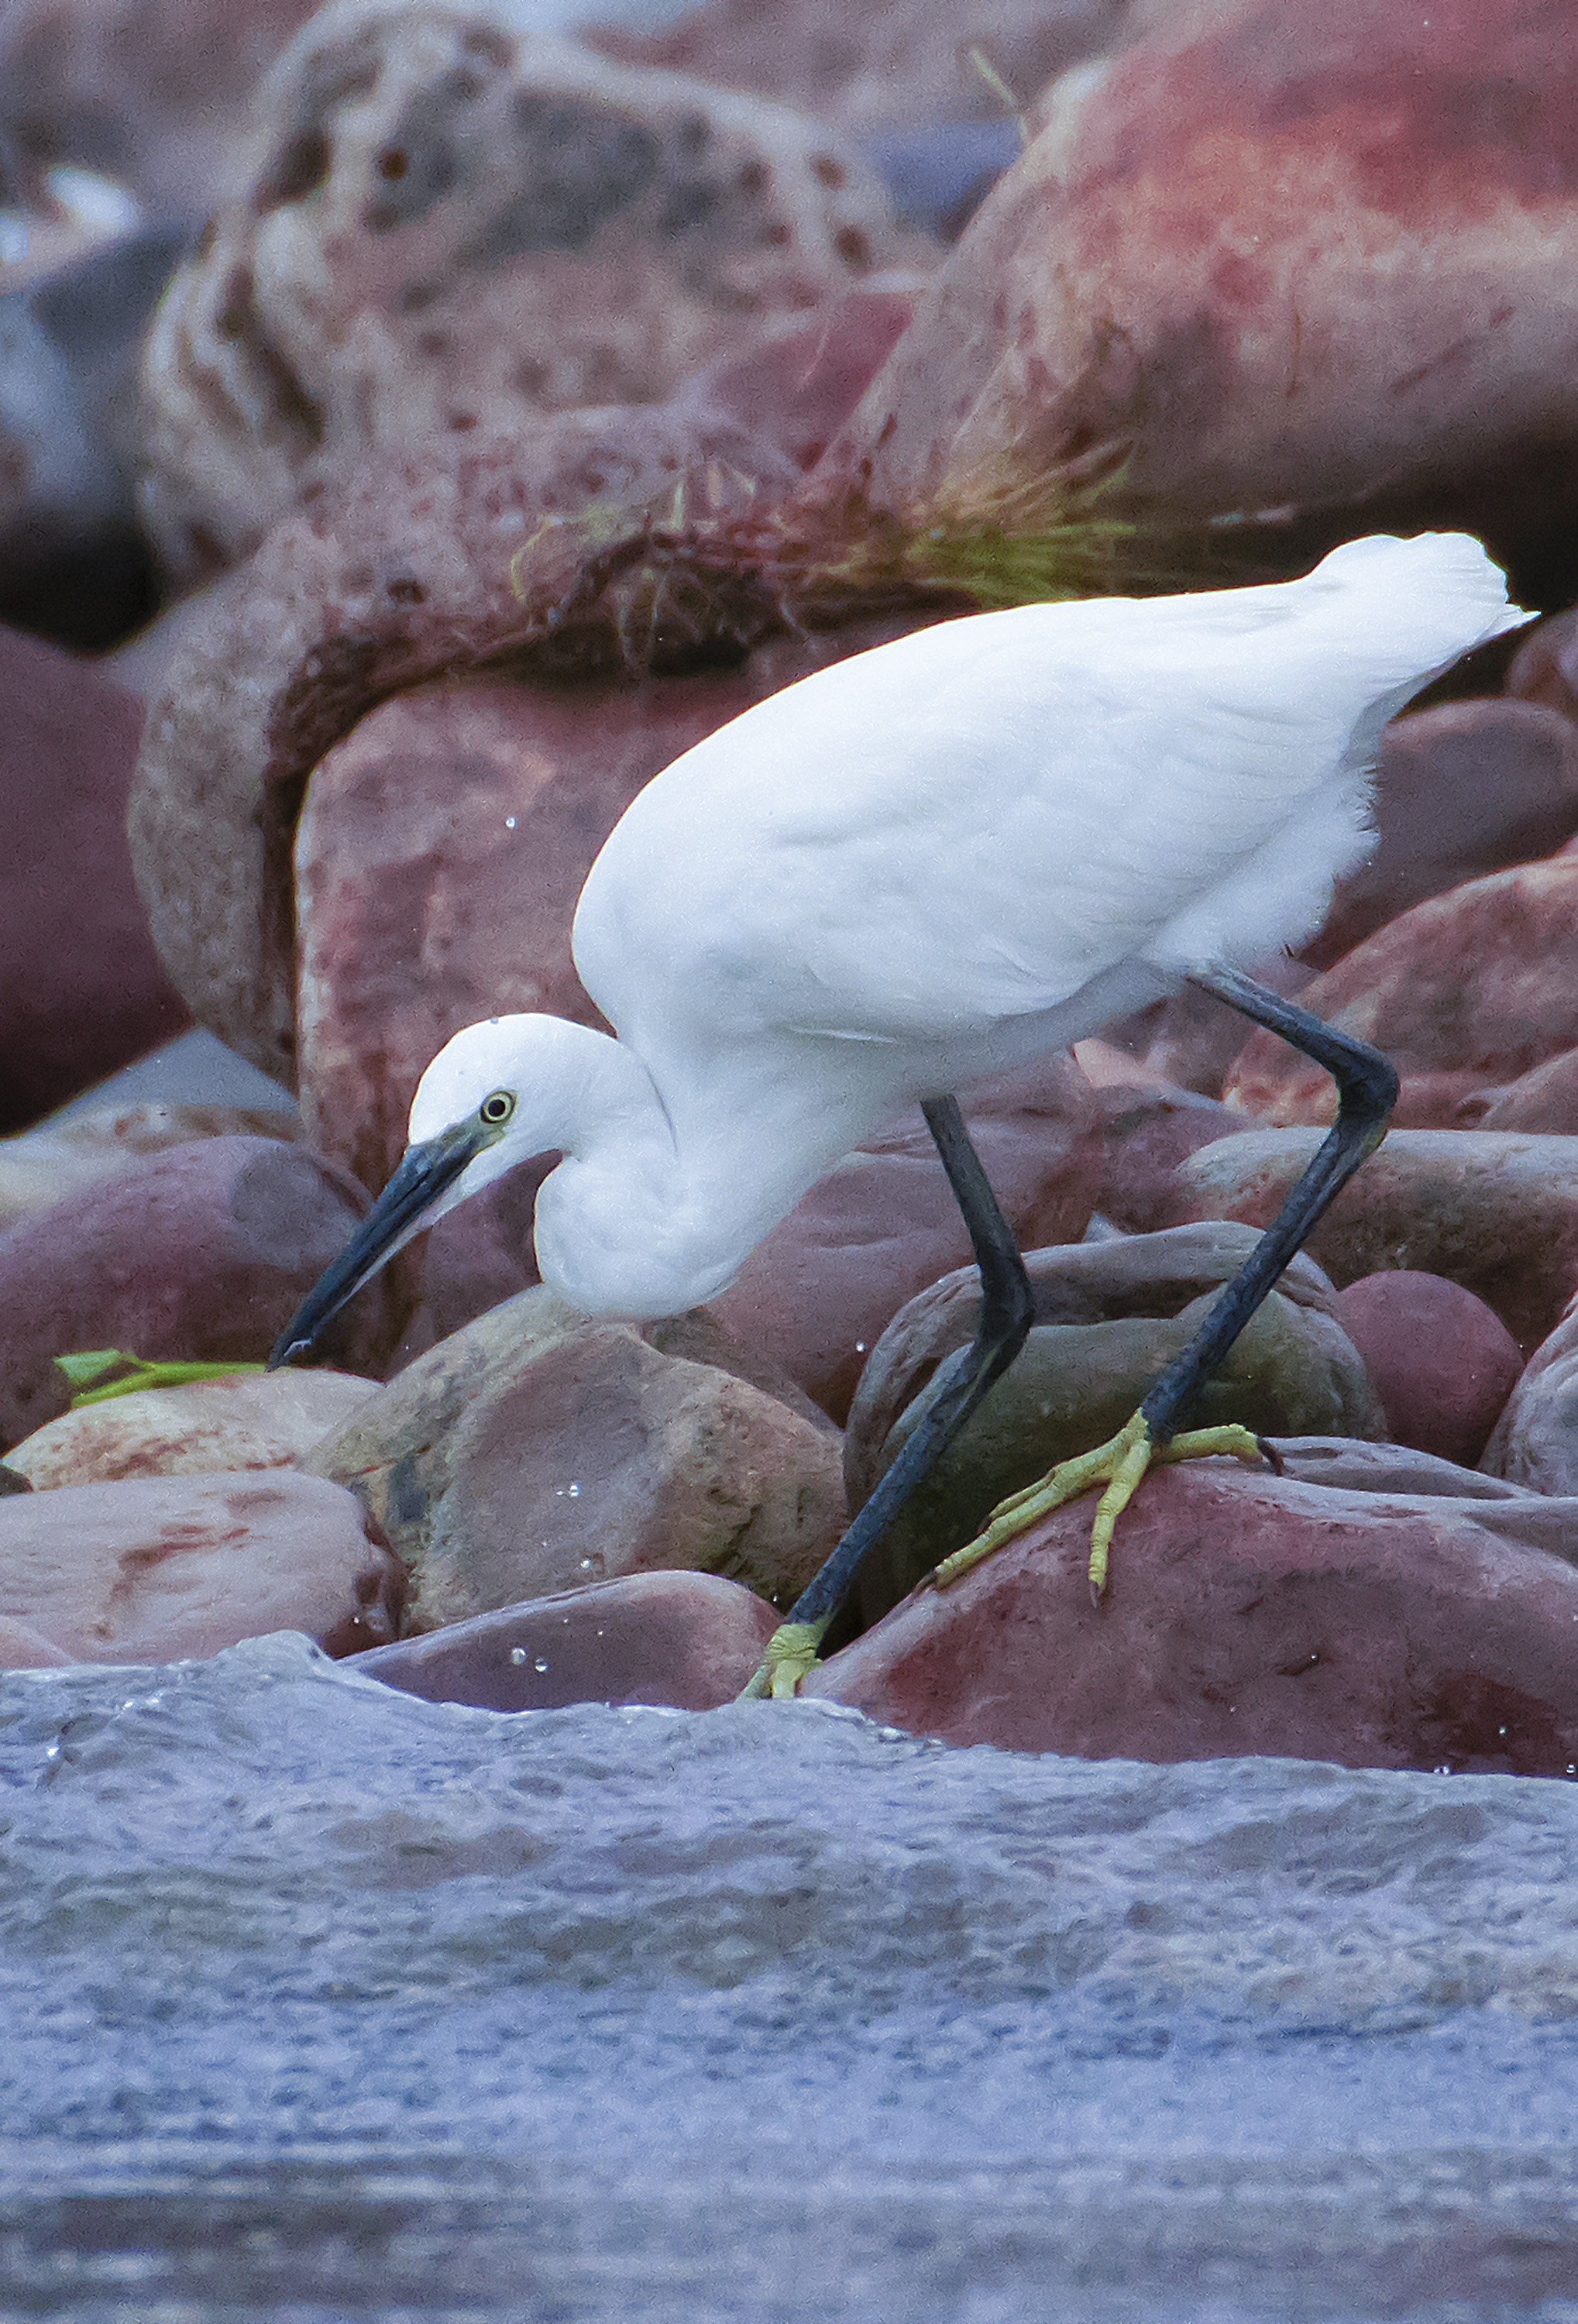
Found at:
<point>1007,1308</point>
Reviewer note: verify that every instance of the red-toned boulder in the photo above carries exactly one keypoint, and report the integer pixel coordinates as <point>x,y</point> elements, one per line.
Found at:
<point>81,989</point>
<point>198,1253</point>
<point>248,1420</point>
<point>1472,988</point>
<point>1442,1362</point>
<point>155,1568</point>
<point>1495,1212</point>
<point>819,1293</point>
<point>688,1639</point>
<point>1283,274</point>
<point>1461,790</point>
<point>1248,1614</point>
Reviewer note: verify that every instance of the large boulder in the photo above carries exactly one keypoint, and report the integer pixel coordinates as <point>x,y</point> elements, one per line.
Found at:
<point>155,1568</point>
<point>39,1165</point>
<point>534,1452</point>
<point>1252,1614</point>
<point>688,1639</point>
<point>200,1254</point>
<point>460,553</point>
<point>1493,1212</point>
<point>1276,276</point>
<point>444,222</point>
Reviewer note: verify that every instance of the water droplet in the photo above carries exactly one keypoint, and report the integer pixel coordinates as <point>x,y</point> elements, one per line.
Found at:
<point>860,1347</point>
<point>508,823</point>
<point>1500,1731</point>
<point>540,1663</point>
<point>575,1492</point>
<point>597,1565</point>
<point>1444,1769</point>
<point>517,1654</point>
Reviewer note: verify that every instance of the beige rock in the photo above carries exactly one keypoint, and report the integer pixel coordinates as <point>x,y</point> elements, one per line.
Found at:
<point>154,1569</point>
<point>534,1452</point>
<point>1247,1613</point>
<point>1472,988</point>
<point>690,1639</point>
<point>1492,1211</point>
<point>253,1420</point>
<point>40,1165</point>
<point>447,222</point>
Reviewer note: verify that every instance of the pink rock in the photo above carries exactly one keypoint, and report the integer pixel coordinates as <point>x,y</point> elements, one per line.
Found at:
<point>248,1420</point>
<point>1460,790</point>
<point>1248,1614</point>
<point>22,1647</point>
<point>153,1569</point>
<point>1292,273</point>
<point>817,1293</point>
<point>202,1252</point>
<point>1442,1362</point>
<point>688,1639</point>
<point>81,989</point>
<point>1470,989</point>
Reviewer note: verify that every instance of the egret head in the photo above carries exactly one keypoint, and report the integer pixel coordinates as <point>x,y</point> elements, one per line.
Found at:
<point>468,1126</point>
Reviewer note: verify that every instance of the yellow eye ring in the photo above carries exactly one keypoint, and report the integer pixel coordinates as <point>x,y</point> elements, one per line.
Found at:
<point>497,1107</point>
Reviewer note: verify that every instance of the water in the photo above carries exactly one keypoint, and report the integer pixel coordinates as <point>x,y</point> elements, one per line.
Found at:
<point>318,2001</point>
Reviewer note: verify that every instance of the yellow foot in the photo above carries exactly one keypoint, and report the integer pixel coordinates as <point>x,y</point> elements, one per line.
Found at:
<point>1119,1465</point>
<point>790,1657</point>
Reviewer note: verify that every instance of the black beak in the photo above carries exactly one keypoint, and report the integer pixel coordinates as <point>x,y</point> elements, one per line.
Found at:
<point>425,1172</point>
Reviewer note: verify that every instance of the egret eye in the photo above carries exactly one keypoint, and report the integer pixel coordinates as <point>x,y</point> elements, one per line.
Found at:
<point>496,1109</point>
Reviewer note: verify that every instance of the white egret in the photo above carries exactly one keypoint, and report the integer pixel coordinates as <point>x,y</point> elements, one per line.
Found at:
<point>922,864</point>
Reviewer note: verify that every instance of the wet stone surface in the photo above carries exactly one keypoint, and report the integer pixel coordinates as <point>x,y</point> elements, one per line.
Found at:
<point>322,2000</point>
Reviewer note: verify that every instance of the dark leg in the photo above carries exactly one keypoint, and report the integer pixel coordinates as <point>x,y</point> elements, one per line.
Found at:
<point>1367,1089</point>
<point>1006,1309</point>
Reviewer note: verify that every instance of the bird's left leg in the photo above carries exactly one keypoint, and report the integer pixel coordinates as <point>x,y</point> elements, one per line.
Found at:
<point>1367,1089</point>
<point>1007,1307</point>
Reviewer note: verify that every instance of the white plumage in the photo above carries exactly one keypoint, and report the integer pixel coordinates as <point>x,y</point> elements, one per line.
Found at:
<point>927,862</point>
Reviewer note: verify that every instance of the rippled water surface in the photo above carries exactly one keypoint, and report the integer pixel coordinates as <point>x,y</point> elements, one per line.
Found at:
<point>320,2001</point>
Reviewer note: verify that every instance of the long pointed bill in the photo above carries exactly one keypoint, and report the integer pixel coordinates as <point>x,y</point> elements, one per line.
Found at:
<point>424,1173</point>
